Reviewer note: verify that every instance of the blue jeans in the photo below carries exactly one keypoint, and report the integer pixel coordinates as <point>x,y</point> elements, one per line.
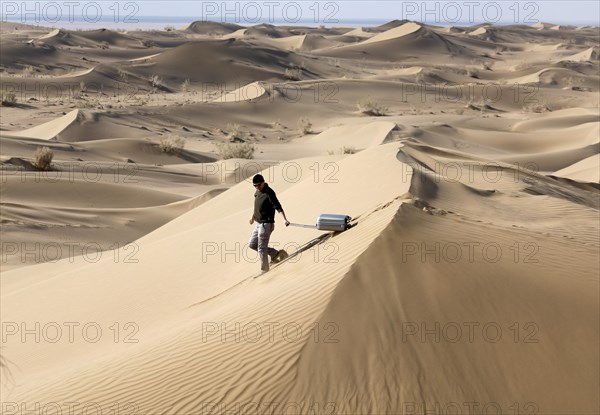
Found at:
<point>259,241</point>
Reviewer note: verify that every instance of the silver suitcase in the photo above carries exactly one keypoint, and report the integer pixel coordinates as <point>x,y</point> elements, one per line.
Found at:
<point>328,222</point>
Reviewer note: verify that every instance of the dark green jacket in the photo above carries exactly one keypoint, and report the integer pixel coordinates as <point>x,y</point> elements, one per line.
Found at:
<point>265,205</point>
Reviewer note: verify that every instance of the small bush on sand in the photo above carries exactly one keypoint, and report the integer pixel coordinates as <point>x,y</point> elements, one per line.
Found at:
<point>293,74</point>
<point>537,107</point>
<point>348,150</point>
<point>473,73</point>
<point>8,99</point>
<point>305,125</point>
<point>185,86</point>
<point>171,144</point>
<point>235,133</point>
<point>369,106</point>
<point>28,71</point>
<point>487,66</point>
<point>42,158</point>
<point>236,151</point>
<point>122,75</point>
<point>156,81</point>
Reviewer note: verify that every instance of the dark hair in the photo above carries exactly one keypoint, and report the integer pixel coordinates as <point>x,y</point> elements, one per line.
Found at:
<point>258,179</point>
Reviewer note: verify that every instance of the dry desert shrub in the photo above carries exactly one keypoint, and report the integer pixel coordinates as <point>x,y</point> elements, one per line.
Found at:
<point>235,133</point>
<point>122,75</point>
<point>277,125</point>
<point>370,106</point>
<point>8,99</point>
<point>348,150</point>
<point>185,86</point>
<point>293,74</point>
<point>487,66</point>
<point>536,107</point>
<point>235,151</point>
<point>473,73</point>
<point>156,81</point>
<point>421,77</point>
<point>343,150</point>
<point>305,125</point>
<point>28,71</point>
<point>479,105</point>
<point>42,158</point>
<point>172,144</point>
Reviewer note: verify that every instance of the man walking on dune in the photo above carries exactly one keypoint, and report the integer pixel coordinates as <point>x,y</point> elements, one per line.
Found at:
<point>265,205</point>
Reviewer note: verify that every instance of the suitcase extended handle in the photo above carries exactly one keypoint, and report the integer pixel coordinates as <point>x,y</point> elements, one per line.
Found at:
<point>299,225</point>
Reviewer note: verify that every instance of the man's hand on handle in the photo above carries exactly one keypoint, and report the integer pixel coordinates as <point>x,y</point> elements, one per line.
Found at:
<point>287,222</point>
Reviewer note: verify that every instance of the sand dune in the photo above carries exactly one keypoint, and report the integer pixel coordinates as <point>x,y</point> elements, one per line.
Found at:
<point>77,73</point>
<point>89,39</point>
<point>453,29</point>
<point>204,62</point>
<point>49,130</point>
<point>94,125</point>
<point>360,137</point>
<point>359,32</point>
<point>384,224</point>
<point>289,42</point>
<point>389,25</point>
<point>551,74</point>
<point>144,58</point>
<point>313,42</point>
<point>586,55</point>
<point>305,43</point>
<point>207,28</point>
<point>398,32</point>
<point>351,177</point>
<point>266,30</point>
<point>248,92</point>
<point>96,229</point>
<point>24,54</point>
<point>55,32</point>
<point>407,40</point>
<point>110,37</point>
<point>234,35</point>
<point>518,35</point>
<point>585,170</point>
<point>559,119</point>
<point>478,32</point>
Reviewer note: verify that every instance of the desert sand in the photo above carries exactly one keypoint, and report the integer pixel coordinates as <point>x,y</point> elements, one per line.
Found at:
<point>467,158</point>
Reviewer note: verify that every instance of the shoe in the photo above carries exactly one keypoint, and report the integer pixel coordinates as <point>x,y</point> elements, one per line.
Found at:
<point>281,255</point>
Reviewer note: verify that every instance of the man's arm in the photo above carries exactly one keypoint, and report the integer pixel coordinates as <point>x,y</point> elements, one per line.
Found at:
<point>287,222</point>
<point>277,205</point>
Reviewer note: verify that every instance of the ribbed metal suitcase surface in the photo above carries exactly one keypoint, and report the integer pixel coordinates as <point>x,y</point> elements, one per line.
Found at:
<point>329,222</point>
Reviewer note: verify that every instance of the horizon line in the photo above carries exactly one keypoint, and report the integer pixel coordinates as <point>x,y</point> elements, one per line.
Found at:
<point>147,20</point>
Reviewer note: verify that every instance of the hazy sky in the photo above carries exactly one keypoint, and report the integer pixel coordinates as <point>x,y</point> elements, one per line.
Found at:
<point>314,12</point>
